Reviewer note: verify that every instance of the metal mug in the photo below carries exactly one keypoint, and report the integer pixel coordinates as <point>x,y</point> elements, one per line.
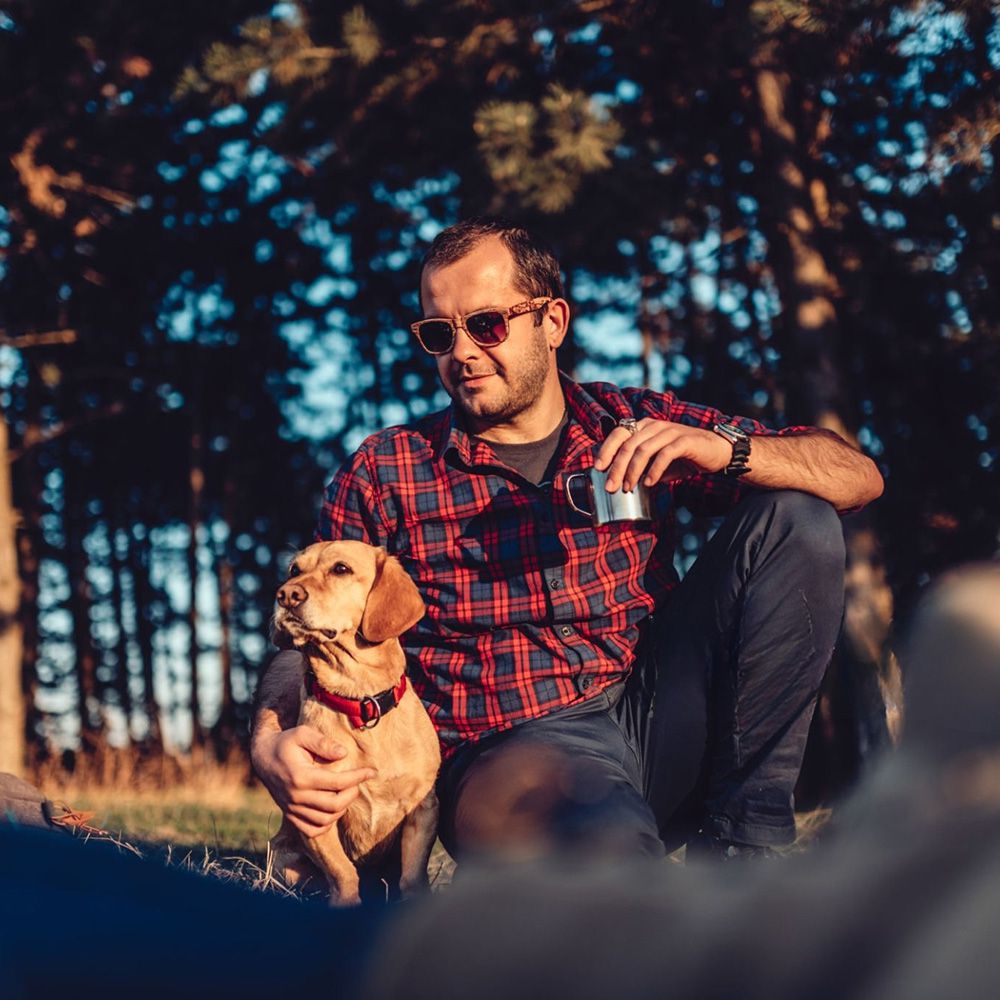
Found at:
<point>607,507</point>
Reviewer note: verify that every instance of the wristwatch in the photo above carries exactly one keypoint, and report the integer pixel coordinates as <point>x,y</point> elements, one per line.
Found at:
<point>739,464</point>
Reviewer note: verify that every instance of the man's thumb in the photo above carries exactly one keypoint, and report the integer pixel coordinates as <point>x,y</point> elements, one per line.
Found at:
<point>322,746</point>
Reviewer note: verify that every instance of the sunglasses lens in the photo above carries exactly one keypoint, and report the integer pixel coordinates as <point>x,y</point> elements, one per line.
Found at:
<point>436,336</point>
<point>487,328</point>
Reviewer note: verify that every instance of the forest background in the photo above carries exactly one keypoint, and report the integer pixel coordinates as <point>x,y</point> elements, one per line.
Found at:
<point>211,220</point>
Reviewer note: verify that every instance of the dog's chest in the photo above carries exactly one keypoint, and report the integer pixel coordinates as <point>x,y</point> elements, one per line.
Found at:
<point>380,808</point>
<point>383,802</point>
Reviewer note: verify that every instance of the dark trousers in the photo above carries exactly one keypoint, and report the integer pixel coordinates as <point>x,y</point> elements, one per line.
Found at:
<point>708,732</point>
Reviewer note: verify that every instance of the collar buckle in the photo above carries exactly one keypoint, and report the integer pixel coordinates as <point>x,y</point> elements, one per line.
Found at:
<point>370,717</point>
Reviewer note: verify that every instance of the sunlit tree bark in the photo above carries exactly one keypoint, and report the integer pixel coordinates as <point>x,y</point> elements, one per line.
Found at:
<point>814,386</point>
<point>12,743</point>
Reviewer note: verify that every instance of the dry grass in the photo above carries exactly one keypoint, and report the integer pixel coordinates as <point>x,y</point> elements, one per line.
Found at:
<point>809,826</point>
<point>198,776</point>
<point>216,823</point>
<point>195,814</point>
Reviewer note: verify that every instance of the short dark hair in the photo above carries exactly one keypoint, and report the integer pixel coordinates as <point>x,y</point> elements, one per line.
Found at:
<point>536,270</point>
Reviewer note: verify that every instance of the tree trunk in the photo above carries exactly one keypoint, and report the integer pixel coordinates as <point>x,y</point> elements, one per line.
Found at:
<point>80,601</point>
<point>122,680</point>
<point>815,392</point>
<point>651,326</point>
<point>30,545</point>
<point>12,719</point>
<point>140,565</point>
<point>197,487</point>
<point>225,729</point>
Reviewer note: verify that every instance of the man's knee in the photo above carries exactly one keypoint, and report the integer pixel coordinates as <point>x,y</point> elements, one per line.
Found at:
<point>808,525</point>
<point>529,800</point>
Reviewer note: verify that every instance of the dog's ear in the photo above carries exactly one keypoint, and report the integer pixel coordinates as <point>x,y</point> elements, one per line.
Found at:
<point>394,603</point>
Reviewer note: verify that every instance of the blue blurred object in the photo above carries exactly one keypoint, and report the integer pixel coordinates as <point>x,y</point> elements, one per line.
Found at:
<point>83,919</point>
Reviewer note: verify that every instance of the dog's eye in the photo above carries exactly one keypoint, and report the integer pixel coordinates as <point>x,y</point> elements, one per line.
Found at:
<point>293,570</point>
<point>340,569</point>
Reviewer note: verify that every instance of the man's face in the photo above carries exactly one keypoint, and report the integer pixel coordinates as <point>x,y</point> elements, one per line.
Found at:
<point>491,385</point>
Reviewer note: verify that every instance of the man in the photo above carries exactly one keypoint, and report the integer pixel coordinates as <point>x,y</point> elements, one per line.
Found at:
<point>569,676</point>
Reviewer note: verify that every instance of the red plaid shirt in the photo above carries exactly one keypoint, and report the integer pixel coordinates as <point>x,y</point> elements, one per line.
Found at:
<point>529,607</point>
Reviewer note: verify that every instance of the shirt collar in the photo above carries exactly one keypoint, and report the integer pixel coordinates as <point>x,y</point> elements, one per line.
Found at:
<point>592,415</point>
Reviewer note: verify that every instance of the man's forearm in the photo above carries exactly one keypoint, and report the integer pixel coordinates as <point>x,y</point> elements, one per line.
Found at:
<point>818,462</point>
<point>278,694</point>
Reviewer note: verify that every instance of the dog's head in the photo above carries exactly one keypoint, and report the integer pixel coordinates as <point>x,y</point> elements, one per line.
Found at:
<point>343,589</point>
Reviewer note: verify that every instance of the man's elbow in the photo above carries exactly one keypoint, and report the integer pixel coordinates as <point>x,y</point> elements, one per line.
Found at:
<point>869,486</point>
<point>874,483</point>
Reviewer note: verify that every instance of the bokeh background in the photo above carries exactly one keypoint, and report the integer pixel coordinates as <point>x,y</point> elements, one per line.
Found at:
<point>211,220</point>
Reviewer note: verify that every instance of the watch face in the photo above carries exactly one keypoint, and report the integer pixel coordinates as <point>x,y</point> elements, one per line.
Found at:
<point>730,432</point>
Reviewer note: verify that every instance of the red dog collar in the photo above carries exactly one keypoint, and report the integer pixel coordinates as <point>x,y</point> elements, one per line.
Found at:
<point>364,713</point>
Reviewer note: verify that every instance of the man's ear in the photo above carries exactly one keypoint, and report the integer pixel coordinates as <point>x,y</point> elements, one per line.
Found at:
<point>394,603</point>
<point>556,322</point>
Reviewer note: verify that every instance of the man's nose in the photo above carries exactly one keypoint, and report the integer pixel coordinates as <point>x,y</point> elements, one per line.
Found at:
<point>464,347</point>
<point>291,595</point>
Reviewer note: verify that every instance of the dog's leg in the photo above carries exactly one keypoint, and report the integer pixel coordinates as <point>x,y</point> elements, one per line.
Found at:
<point>289,859</point>
<point>419,831</point>
<point>341,875</point>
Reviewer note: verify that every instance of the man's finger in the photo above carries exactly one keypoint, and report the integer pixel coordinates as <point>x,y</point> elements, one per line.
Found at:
<point>308,815</point>
<point>644,454</point>
<point>329,799</point>
<point>315,785</point>
<point>656,469</point>
<point>311,829</point>
<point>619,463</point>
<point>661,462</point>
<point>610,445</point>
<point>328,780</point>
<point>345,798</point>
<point>326,803</point>
<point>323,808</point>
<point>318,744</point>
<point>633,457</point>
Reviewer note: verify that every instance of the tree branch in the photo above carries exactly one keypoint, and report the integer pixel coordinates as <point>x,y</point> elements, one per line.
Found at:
<point>58,430</point>
<point>43,339</point>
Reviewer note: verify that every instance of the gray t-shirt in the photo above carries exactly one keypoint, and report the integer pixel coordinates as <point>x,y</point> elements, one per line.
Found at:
<point>532,459</point>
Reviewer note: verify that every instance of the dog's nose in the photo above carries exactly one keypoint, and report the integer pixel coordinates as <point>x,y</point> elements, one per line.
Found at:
<point>291,595</point>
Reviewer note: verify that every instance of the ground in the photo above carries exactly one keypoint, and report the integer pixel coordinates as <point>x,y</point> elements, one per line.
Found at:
<point>219,829</point>
<point>221,826</point>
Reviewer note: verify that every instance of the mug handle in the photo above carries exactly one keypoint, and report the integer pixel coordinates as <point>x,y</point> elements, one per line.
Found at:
<point>569,493</point>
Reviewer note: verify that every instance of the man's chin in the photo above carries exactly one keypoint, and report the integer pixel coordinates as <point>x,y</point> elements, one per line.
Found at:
<point>483,400</point>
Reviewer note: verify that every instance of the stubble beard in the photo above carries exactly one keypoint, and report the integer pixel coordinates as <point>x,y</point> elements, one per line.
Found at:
<point>520,388</point>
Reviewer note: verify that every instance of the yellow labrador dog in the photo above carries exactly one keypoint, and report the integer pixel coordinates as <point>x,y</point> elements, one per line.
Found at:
<point>344,606</point>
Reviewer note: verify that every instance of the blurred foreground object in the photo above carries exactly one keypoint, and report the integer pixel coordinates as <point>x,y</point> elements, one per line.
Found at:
<point>24,805</point>
<point>902,901</point>
<point>952,661</point>
<point>82,917</point>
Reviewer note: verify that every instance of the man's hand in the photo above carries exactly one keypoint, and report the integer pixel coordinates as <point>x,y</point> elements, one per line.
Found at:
<point>290,763</point>
<point>660,449</point>
<point>812,460</point>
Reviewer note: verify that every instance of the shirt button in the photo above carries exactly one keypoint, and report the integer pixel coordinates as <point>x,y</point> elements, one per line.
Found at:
<point>554,583</point>
<point>566,631</point>
<point>585,683</point>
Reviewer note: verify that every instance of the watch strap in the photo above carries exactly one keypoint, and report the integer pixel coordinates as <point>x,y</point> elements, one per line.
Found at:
<point>739,464</point>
